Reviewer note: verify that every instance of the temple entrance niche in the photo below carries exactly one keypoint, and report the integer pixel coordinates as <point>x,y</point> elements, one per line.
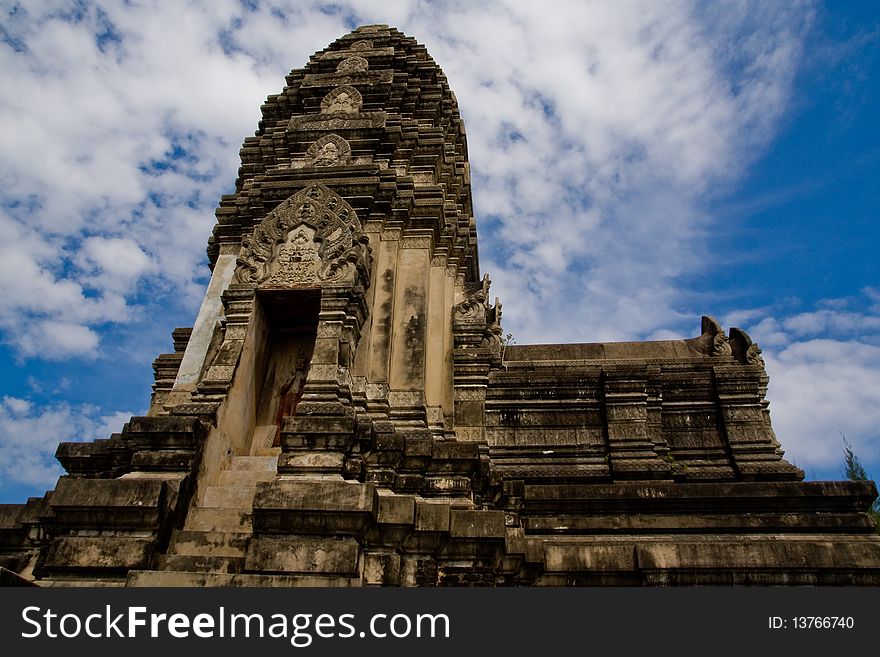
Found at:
<point>305,268</point>
<point>290,319</point>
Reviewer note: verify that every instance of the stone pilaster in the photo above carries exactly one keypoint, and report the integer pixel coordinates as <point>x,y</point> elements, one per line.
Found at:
<point>630,448</point>
<point>753,446</point>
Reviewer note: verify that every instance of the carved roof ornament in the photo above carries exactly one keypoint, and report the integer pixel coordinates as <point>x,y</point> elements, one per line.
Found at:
<point>492,334</point>
<point>476,305</point>
<point>712,341</point>
<point>312,238</point>
<point>363,44</point>
<point>342,100</point>
<point>744,350</point>
<point>329,150</point>
<point>476,321</point>
<point>353,65</point>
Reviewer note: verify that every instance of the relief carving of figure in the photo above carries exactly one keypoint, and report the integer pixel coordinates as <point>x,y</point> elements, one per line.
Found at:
<point>297,260</point>
<point>342,100</point>
<point>327,156</point>
<point>342,103</point>
<point>312,238</point>
<point>353,65</point>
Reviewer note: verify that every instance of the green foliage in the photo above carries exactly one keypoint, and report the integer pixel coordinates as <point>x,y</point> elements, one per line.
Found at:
<point>855,471</point>
<point>852,467</point>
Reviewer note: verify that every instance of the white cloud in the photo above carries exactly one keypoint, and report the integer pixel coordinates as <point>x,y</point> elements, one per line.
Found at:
<point>30,435</point>
<point>824,368</point>
<point>53,340</point>
<point>821,389</point>
<point>113,263</point>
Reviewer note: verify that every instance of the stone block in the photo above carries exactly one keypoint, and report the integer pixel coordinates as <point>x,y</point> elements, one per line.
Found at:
<point>565,558</point>
<point>313,507</point>
<point>261,463</point>
<point>394,509</point>
<point>110,503</point>
<point>418,446</point>
<point>431,517</point>
<point>90,459</point>
<point>163,432</point>
<point>94,553</point>
<point>303,555</point>
<point>152,578</point>
<point>470,413</point>
<point>311,462</point>
<point>209,543</point>
<point>479,525</point>
<point>408,482</point>
<point>164,461</point>
<point>212,563</point>
<point>245,477</point>
<point>755,553</point>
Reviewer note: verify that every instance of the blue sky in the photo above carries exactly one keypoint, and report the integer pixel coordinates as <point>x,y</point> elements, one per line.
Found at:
<point>635,165</point>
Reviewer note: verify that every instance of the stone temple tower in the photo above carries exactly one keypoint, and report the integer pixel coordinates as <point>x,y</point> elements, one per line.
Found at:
<point>344,410</point>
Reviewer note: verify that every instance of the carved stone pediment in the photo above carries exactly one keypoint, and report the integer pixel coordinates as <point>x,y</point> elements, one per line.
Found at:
<point>341,109</point>
<point>329,150</point>
<point>344,99</point>
<point>314,238</point>
<point>355,64</point>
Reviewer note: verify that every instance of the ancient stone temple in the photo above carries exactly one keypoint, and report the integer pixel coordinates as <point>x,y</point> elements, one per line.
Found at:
<point>344,411</point>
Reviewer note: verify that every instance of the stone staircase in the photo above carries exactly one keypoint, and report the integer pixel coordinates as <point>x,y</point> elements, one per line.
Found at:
<point>216,543</point>
<point>212,545</point>
<point>216,533</point>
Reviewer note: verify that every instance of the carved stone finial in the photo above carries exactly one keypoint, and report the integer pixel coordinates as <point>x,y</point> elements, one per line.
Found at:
<point>719,344</point>
<point>492,334</point>
<point>711,341</point>
<point>753,355</point>
<point>744,350</point>
<point>475,306</point>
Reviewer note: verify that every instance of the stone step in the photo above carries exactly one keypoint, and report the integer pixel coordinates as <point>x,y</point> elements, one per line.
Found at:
<point>267,451</point>
<point>212,519</point>
<point>245,477</point>
<point>152,578</point>
<point>200,564</point>
<point>230,497</point>
<point>209,544</point>
<point>263,463</point>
